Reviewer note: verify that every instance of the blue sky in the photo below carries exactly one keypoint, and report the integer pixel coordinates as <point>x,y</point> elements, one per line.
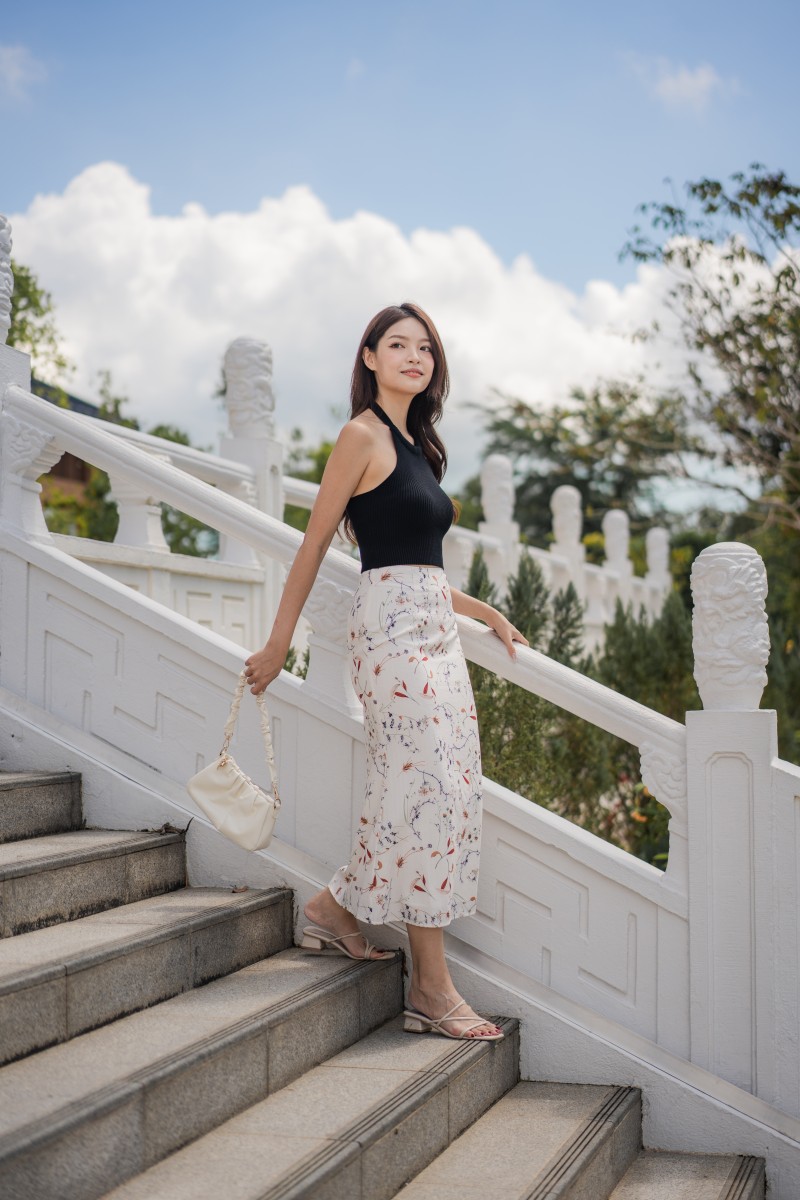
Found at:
<point>539,125</point>
<point>179,174</point>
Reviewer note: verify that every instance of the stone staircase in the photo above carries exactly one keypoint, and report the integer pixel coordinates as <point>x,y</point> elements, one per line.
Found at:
<point>168,1042</point>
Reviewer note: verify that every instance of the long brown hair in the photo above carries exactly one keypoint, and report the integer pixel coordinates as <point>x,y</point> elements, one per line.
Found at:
<point>425,409</point>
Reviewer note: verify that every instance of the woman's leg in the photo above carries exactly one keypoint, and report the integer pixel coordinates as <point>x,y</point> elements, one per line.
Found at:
<point>324,911</point>
<point>432,990</point>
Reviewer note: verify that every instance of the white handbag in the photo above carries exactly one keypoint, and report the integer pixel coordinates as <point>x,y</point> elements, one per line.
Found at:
<point>234,804</point>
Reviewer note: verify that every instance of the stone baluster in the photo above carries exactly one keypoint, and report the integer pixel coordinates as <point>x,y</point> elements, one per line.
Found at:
<point>616,531</point>
<point>28,452</point>
<point>251,440</point>
<point>139,513</point>
<point>327,611</point>
<point>734,834</point>
<point>658,577</point>
<point>497,500</point>
<point>566,505</point>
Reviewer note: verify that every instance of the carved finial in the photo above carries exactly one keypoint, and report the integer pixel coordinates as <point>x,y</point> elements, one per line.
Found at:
<point>497,489</point>
<point>6,278</point>
<point>567,509</point>
<point>249,397</point>
<point>616,531</point>
<point>730,634</point>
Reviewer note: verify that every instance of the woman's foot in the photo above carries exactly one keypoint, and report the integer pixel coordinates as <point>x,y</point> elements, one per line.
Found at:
<point>322,910</point>
<point>436,1004</point>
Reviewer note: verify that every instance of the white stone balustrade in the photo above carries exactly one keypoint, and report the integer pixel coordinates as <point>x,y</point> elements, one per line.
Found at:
<point>684,982</point>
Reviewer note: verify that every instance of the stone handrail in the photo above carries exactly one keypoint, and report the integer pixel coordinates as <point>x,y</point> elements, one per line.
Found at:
<point>221,472</point>
<point>59,430</point>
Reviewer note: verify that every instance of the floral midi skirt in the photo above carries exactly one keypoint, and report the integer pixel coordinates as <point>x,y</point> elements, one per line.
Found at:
<point>417,849</point>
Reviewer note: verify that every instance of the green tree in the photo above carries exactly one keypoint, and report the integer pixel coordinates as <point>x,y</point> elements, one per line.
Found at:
<point>612,442</point>
<point>733,251</point>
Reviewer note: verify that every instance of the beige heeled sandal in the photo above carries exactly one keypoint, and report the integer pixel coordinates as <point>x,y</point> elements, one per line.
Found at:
<point>418,1022</point>
<point>321,941</point>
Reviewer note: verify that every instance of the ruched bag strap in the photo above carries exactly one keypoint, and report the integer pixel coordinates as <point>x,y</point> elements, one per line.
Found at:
<point>266,732</point>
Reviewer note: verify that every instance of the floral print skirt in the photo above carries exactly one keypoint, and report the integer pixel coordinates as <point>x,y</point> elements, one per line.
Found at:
<point>417,849</point>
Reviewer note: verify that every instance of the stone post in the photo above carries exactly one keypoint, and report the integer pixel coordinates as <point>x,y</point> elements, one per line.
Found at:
<point>566,505</point>
<point>616,531</point>
<point>251,440</point>
<point>658,577</point>
<point>6,279</point>
<point>497,499</point>
<point>732,850</point>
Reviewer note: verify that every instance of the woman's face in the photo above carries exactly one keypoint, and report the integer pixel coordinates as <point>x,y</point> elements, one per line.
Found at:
<point>403,359</point>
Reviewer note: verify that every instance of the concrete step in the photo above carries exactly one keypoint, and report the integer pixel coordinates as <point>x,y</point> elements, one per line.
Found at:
<point>357,1126</point>
<point>58,982</point>
<point>33,803</point>
<point>541,1141</point>
<point>44,880</point>
<point>82,1117</point>
<point>658,1175</point>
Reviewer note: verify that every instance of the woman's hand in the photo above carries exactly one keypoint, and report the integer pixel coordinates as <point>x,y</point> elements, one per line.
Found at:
<point>507,633</point>
<point>264,666</point>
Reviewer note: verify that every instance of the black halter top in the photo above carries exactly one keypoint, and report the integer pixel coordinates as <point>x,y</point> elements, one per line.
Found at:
<point>404,518</point>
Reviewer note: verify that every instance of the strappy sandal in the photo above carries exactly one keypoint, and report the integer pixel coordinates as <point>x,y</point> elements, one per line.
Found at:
<point>321,941</point>
<point>418,1022</point>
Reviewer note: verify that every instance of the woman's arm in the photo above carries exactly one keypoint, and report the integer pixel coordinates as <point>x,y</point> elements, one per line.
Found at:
<point>470,606</point>
<point>345,466</point>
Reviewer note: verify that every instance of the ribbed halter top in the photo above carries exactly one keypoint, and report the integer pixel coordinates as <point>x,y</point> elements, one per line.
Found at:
<point>404,518</point>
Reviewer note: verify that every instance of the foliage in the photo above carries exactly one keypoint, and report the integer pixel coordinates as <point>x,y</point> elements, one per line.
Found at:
<point>611,442</point>
<point>734,255</point>
<point>304,462</point>
<point>33,326</point>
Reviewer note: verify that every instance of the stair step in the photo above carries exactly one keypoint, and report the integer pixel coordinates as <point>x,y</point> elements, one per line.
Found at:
<point>44,880</point>
<point>357,1126</point>
<point>61,981</point>
<point>659,1175</point>
<point>33,803</point>
<point>82,1117</point>
<point>541,1141</point>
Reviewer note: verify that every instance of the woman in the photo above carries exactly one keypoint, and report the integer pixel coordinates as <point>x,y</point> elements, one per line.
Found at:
<point>417,851</point>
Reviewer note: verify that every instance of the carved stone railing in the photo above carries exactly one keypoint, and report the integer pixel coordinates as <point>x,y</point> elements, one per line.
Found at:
<point>712,943</point>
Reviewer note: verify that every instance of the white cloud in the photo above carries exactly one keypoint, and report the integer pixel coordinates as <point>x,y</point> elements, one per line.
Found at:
<point>681,87</point>
<point>19,71</point>
<point>157,299</point>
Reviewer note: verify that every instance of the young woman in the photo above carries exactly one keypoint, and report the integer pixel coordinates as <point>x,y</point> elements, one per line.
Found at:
<point>417,849</point>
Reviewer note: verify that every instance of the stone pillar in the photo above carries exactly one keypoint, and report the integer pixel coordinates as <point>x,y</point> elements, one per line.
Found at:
<point>658,577</point>
<point>732,878</point>
<point>497,499</point>
<point>327,611</point>
<point>566,505</point>
<point>251,440</point>
<point>6,278</point>
<point>616,531</point>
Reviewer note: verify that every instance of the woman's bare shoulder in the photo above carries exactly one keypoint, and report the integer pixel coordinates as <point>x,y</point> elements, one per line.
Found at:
<point>359,431</point>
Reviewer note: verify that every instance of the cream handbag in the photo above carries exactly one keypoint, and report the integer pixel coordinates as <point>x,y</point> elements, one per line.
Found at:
<point>234,804</point>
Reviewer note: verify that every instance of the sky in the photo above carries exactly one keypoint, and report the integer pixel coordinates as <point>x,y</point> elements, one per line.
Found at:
<point>180,174</point>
